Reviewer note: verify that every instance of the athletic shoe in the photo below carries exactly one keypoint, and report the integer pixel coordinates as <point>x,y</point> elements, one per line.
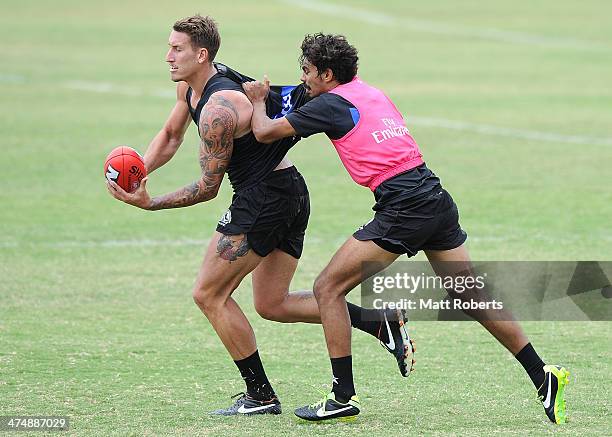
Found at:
<point>551,393</point>
<point>329,409</point>
<point>247,406</point>
<point>399,343</point>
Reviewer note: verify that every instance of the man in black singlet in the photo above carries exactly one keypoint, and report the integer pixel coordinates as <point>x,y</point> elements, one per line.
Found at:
<point>263,230</point>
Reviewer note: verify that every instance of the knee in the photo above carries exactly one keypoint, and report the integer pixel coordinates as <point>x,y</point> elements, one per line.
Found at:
<point>206,298</point>
<point>269,310</point>
<point>324,288</point>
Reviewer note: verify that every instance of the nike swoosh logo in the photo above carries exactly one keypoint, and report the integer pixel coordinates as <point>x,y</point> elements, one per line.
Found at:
<point>391,343</point>
<point>322,413</point>
<point>547,400</point>
<point>244,410</point>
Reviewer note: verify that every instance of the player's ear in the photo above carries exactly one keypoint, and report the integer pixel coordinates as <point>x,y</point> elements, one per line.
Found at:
<point>202,55</point>
<point>328,75</point>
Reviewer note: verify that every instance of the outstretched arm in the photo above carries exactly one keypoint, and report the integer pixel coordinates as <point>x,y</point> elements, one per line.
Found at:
<point>264,128</point>
<point>167,141</point>
<point>217,126</point>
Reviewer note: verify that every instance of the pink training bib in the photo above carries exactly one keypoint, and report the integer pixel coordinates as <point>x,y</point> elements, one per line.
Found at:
<point>379,146</point>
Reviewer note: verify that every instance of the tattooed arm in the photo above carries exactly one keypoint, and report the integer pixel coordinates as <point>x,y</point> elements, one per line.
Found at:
<point>217,125</point>
<point>218,122</point>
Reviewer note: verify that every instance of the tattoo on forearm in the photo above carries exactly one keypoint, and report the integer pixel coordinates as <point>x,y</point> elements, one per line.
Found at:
<point>217,126</point>
<point>232,247</point>
<point>186,196</point>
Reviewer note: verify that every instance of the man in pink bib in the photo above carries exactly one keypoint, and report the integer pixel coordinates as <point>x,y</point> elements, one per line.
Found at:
<point>412,213</point>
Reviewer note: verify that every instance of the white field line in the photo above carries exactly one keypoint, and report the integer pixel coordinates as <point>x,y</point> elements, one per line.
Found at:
<point>413,120</point>
<point>72,244</point>
<point>12,78</point>
<point>487,129</point>
<point>439,28</point>
<point>127,243</point>
<point>110,88</point>
<point>185,242</point>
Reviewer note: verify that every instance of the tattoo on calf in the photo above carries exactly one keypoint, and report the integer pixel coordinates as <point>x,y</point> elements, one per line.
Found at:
<point>232,247</point>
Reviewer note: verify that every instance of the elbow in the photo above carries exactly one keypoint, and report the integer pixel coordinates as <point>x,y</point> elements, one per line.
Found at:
<point>210,194</point>
<point>263,137</point>
<point>213,194</point>
<point>266,140</point>
<point>174,143</point>
<point>174,138</point>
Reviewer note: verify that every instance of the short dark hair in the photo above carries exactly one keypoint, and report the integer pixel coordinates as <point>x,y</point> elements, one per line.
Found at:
<point>333,52</point>
<point>202,31</point>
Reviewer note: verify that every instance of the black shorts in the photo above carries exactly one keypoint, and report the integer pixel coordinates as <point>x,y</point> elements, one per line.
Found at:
<point>428,222</point>
<point>273,214</point>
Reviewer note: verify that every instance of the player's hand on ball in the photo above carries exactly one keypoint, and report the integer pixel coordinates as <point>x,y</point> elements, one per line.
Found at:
<point>139,198</point>
<point>257,91</point>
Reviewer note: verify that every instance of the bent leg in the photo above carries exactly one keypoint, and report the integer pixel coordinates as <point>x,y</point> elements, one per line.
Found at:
<point>273,301</point>
<point>499,323</point>
<point>227,261</point>
<point>342,274</point>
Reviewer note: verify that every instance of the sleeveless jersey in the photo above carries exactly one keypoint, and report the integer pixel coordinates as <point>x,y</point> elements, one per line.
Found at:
<point>251,160</point>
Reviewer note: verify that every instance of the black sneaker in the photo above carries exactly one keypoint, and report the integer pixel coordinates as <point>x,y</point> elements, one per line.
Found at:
<point>247,406</point>
<point>399,343</point>
<point>552,393</point>
<point>330,410</point>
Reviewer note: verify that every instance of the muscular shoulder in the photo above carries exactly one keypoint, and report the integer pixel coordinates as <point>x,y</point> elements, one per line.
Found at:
<point>233,104</point>
<point>229,98</point>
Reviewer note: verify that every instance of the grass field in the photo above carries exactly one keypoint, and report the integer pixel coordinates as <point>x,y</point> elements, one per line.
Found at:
<point>511,103</point>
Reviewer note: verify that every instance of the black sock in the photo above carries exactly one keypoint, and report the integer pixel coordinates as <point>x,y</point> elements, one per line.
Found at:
<point>342,370</point>
<point>533,364</point>
<point>369,321</point>
<point>252,371</point>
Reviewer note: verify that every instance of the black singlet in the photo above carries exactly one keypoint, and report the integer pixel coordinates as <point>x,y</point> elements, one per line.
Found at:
<point>251,161</point>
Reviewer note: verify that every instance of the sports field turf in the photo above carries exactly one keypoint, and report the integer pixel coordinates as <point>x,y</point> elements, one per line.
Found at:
<point>510,102</point>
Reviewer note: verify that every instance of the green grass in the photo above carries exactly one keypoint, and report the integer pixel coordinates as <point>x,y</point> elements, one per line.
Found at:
<point>107,333</point>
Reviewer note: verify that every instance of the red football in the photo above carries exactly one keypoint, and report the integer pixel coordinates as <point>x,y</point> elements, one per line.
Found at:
<point>125,166</point>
